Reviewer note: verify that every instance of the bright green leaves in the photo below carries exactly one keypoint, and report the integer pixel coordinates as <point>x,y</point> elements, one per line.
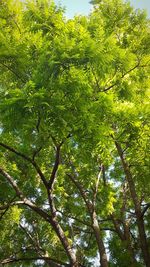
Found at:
<point>8,228</point>
<point>82,83</point>
<point>15,214</point>
<point>44,15</point>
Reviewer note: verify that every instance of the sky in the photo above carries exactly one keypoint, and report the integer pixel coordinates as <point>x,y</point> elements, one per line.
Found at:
<point>74,7</point>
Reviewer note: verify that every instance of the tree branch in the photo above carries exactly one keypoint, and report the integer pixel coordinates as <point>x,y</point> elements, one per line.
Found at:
<point>34,242</point>
<point>147,206</point>
<point>97,184</point>
<point>47,259</point>
<point>51,219</point>
<point>74,218</point>
<point>82,192</point>
<point>6,207</point>
<point>25,201</point>
<point>34,164</point>
<point>36,152</point>
<point>55,168</point>
<point>12,70</point>
<point>123,75</point>
<point>57,161</point>
<point>13,183</point>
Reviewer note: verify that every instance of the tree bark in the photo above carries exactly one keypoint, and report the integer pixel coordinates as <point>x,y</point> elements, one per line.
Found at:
<point>56,226</point>
<point>137,206</point>
<point>128,244</point>
<point>69,251</point>
<point>95,225</point>
<point>100,243</point>
<point>50,219</point>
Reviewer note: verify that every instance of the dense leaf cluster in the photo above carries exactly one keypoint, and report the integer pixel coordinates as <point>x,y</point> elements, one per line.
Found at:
<point>74,135</point>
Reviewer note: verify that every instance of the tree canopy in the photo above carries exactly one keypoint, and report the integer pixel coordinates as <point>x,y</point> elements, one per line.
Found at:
<point>74,135</point>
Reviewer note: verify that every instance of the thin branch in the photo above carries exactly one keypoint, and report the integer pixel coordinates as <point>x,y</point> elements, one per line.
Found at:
<point>34,164</point>
<point>51,219</point>
<point>48,259</point>
<point>96,80</point>
<point>42,176</point>
<point>36,152</point>
<point>82,192</point>
<point>58,229</point>
<point>12,70</point>
<point>108,229</point>
<point>96,186</point>
<point>38,123</point>
<point>4,212</point>
<point>55,168</point>
<point>109,87</point>
<point>79,230</point>
<point>94,220</point>
<point>36,245</point>
<point>34,240</point>
<point>123,75</point>
<point>145,209</point>
<point>25,201</point>
<point>11,204</point>
<point>127,72</point>
<point>74,218</point>
<point>17,25</point>
<point>117,227</point>
<point>6,207</point>
<point>104,175</point>
<point>15,151</point>
<point>104,220</point>
<point>12,182</point>
<point>57,161</point>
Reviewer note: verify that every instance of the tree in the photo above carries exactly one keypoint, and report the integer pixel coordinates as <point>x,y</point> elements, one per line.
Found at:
<point>74,135</point>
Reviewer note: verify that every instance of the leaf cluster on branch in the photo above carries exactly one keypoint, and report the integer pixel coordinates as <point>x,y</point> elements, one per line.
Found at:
<point>74,135</point>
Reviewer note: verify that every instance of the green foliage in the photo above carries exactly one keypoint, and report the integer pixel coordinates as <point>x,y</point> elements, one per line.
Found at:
<point>82,83</point>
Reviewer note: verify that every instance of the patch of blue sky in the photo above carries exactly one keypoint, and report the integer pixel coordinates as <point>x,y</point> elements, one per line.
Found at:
<point>76,7</point>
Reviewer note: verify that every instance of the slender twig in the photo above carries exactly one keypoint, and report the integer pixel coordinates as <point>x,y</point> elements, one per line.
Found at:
<point>38,123</point>
<point>55,168</point>
<point>25,157</point>
<point>82,192</point>
<point>51,260</point>
<point>123,75</point>
<point>14,72</point>
<point>57,161</point>
<point>36,152</point>
<point>96,186</point>
<point>74,218</point>
<point>35,243</point>
<point>25,201</point>
<point>6,207</point>
<point>96,80</point>
<point>145,209</point>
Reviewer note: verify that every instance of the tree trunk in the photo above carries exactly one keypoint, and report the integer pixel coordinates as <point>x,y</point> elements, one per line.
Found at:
<point>100,243</point>
<point>128,245</point>
<point>69,251</point>
<point>138,212</point>
<point>94,221</point>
